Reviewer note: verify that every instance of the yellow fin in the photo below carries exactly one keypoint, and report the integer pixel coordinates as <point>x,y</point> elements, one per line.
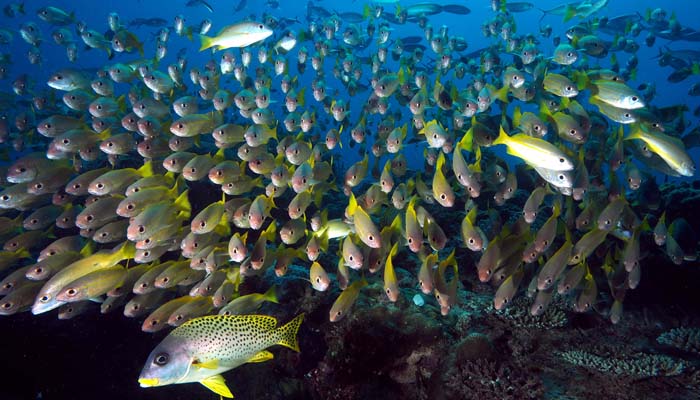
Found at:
<point>183,203</point>
<point>288,333</point>
<point>271,295</point>
<point>217,385</point>
<point>146,170</point>
<point>211,364</point>
<point>261,357</point>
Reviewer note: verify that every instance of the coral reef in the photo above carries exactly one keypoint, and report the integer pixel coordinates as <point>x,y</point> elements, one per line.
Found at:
<point>518,314</point>
<point>686,339</point>
<point>488,379</point>
<point>640,365</point>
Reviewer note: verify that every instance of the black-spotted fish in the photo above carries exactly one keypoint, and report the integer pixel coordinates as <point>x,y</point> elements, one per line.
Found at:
<point>203,348</point>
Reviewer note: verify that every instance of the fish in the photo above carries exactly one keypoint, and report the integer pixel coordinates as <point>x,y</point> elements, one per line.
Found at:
<point>343,304</point>
<point>555,265</point>
<point>46,299</point>
<point>248,304</point>
<point>182,358</point>
<point>391,286</point>
<point>318,277</point>
<point>239,35</point>
<point>92,285</point>
<point>535,151</point>
<point>194,3</point>
<point>55,16</point>
<point>670,149</point>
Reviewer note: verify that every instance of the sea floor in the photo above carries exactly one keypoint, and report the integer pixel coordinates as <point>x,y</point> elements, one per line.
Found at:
<point>384,350</point>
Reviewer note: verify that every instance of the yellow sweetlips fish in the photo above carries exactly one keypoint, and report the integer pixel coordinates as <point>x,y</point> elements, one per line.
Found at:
<point>202,348</point>
<point>242,34</point>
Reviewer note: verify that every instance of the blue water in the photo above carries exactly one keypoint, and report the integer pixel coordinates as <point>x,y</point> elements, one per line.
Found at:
<point>74,358</point>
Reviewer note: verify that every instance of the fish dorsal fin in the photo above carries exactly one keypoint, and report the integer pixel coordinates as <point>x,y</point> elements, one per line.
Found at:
<point>217,384</point>
<point>261,356</point>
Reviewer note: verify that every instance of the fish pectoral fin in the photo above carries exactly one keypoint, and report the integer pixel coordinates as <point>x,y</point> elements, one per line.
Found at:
<point>261,357</point>
<point>217,384</point>
<point>211,364</point>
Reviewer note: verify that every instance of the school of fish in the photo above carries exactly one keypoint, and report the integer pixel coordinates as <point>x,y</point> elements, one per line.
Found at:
<point>100,197</point>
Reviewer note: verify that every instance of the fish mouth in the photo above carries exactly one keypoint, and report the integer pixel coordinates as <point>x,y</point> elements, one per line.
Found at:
<point>148,382</point>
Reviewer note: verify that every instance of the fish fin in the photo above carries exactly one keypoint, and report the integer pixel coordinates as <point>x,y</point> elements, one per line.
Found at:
<point>271,295</point>
<point>217,384</point>
<point>352,205</point>
<point>570,12</point>
<point>467,141</point>
<point>211,364</point>
<point>288,333</point>
<point>124,251</point>
<point>502,137</point>
<point>261,356</point>
<point>301,97</point>
<point>183,203</point>
<point>517,116</point>
<point>223,228</point>
<point>501,94</point>
<point>270,232</point>
<point>146,170</point>
<point>23,253</point>
<point>472,214</point>
<point>88,249</point>
<point>205,42</point>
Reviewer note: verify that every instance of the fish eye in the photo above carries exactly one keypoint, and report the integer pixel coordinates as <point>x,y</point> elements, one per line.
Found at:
<point>161,359</point>
<point>635,98</point>
<point>71,292</point>
<point>561,177</point>
<point>572,132</point>
<point>142,229</point>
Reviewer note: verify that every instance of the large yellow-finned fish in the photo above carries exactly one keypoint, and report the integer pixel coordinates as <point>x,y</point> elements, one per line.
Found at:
<point>237,35</point>
<point>201,349</point>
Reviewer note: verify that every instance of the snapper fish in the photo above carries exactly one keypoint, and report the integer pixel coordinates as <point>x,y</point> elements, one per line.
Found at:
<point>201,349</point>
<point>242,34</point>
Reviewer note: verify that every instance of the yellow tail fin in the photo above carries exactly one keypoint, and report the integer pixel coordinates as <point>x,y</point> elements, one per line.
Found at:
<point>288,333</point>
<point>205,42</point>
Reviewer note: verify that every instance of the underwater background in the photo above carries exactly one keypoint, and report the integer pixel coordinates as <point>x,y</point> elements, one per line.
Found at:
<point>414,346</point>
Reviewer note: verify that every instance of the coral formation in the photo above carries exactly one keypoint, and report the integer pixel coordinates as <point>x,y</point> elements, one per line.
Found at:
<point>640,365</point>
<point>686,339</point>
